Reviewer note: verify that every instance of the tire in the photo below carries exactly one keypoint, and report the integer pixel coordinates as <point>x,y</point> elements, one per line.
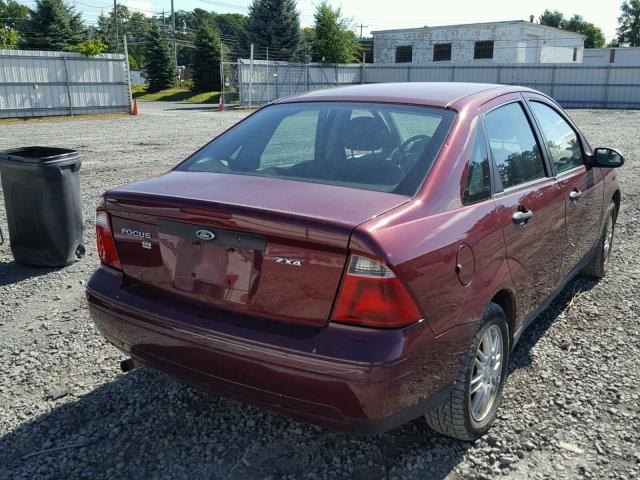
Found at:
<point>597,266</point>
<point>456,417</point>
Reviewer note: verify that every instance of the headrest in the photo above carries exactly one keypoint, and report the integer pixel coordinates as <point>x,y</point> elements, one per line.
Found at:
<point>366,133</point>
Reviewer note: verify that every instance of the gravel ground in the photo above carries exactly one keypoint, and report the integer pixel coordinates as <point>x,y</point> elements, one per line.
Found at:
<point>571,402</point>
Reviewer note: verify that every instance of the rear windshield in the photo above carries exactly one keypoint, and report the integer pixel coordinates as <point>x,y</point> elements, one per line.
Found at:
<point>388,148</point>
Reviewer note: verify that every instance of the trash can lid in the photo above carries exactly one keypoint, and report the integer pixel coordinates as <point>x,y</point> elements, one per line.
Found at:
<point>38,156</point>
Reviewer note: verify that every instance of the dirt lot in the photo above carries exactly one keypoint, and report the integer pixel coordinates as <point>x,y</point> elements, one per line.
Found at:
<point>571,406</point>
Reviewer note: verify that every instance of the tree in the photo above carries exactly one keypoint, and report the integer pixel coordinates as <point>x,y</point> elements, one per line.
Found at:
<point>13,17</point>
<point>551,19</point>
<point>137,29</point>
<point>234,26</point>
<point>90,48</point>
<point>106,31</point>
<point>334,42</point>
<point>274,24</point>
<point>9,38</point>
<point>159,67</point>
<point>206,61</point>
<point>594,36</point>
<point>629,21</point>
<point>54,25</point>
<point>307,40</point>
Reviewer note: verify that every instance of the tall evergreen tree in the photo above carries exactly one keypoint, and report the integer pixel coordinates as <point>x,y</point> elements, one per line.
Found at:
<point>54,25</point>
<point>629,21</point>
<point>206,61</point>
<point>334,42</point>
<point>105,29</point>
<point>159,66</point>
<point>274,24</point>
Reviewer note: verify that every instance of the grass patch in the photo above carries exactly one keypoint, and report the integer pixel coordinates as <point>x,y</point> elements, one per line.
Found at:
<point>177,94</point>
<point>62,118</point>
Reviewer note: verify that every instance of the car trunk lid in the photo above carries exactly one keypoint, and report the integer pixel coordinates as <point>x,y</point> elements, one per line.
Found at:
<point>265,247</point>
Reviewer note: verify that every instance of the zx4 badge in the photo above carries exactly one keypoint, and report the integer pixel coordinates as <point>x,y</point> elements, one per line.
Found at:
<point>289,261</point>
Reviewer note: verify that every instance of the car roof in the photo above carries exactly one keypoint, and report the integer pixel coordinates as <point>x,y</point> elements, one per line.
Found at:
<point>436,94</point>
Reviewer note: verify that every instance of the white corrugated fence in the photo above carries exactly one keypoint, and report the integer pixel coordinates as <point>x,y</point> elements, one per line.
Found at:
<point>578,86</point>
<point>42,83</point>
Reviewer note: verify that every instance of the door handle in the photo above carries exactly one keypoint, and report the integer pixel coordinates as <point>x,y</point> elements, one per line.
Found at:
<point>521,217</point>
<point>575,195</point>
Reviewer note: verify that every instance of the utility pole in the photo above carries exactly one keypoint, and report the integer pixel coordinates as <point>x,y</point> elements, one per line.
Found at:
<point>175,46</point>
<point>361,26</point>
<point>115,23</point>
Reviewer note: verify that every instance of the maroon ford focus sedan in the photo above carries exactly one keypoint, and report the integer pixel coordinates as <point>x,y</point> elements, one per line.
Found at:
<point>358,257</point>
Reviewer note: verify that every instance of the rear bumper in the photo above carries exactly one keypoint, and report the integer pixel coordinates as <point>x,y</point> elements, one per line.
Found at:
<point>340,377</point>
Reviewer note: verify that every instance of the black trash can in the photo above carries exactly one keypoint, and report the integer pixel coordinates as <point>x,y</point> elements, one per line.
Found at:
<point>41,187</point>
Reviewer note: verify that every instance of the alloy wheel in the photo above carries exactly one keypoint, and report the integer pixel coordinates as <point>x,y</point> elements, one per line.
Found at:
<point>486,373</point>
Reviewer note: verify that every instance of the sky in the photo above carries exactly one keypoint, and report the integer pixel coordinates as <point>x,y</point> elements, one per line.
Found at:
<point>377,14</point>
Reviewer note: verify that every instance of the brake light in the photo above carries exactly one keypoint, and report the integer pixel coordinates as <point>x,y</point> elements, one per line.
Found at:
<point>371,295</point>
<point>104,240</point>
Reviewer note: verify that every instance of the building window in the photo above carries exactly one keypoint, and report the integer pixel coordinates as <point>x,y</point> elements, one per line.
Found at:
<point>575,54</point>
<point>441,52</point>
<point>404,54</point>
<point>483,49</point>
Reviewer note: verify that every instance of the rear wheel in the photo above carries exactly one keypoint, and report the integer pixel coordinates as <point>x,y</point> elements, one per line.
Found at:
<point>597,266</point>
<point>471,408</point>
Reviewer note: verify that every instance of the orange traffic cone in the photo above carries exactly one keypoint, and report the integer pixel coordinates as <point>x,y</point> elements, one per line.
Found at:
<point>220,105</point>
<point>134,109</point>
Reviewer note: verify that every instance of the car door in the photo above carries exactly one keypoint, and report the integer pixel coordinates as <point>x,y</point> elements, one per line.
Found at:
<point>529,201</point>
<point>581,187</point>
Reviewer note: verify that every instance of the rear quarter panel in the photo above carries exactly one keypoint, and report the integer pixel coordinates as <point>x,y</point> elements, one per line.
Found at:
<point>421,240</point>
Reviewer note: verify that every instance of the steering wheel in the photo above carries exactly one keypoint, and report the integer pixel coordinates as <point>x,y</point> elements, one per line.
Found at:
<point>409,148</point>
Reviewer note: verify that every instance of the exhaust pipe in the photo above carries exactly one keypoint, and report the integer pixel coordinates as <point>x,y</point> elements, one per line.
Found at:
<point>128,365</point>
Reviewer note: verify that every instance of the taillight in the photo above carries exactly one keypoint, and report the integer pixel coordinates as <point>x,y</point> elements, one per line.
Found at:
<point>104,239</point>
<point>371,295</point>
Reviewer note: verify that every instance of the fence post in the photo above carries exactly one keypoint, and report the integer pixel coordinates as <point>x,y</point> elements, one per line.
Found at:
<point>453,73</point>
<point>408,73</point>
<point>128,69</point>
<point>221,74</point>
<point>499,74</point>
<point>306,75</point>
<point>553,82</point>
<point>239,78</point>
<point>606,87</point>
<point>68,84</point>
<point>251,77</point>
<point>268,78</point>
<point>362,71</point>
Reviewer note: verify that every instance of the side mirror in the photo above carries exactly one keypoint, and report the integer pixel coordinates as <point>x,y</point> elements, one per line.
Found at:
<point>607,158</point>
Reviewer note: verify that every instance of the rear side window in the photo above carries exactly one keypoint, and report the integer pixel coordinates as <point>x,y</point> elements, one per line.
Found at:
<point>561,139</point>
<point>478,179</point>
<point>383,147</point>
<point>513,145</point>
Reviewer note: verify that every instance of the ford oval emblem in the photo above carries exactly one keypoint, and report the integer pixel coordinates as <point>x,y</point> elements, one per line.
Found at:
<point>205,235</point>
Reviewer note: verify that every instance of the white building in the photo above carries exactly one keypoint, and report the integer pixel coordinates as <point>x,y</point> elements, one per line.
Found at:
<point>624,56</point>
<point>494,42</point>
